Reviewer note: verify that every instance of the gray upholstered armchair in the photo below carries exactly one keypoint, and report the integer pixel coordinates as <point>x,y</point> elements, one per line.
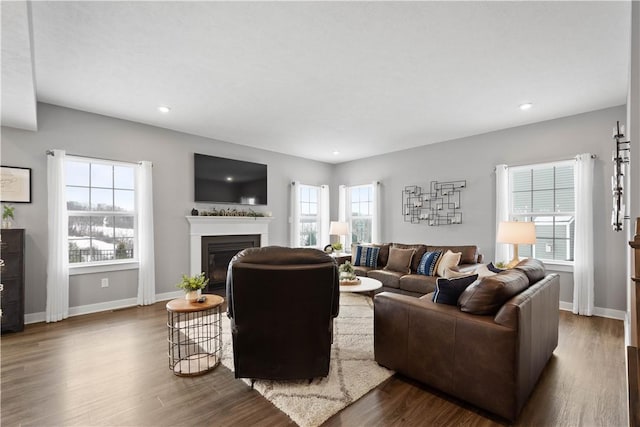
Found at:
<point>281,302</point>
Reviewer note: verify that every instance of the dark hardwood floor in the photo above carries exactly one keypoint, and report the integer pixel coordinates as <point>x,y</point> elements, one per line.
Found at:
<point>111,369</point>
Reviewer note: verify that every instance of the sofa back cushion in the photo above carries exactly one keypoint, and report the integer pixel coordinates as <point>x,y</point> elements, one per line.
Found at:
<point>490,293</point>
<point>420,250</point>
<point>533,268</point>
<point>469,252</point>
<point>400,260</point>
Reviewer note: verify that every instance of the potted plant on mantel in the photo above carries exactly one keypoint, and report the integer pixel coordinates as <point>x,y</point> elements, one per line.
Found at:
<point>192,286</point>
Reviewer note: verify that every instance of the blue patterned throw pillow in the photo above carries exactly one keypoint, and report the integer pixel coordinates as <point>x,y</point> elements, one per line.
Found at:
<point>427,266</point>
<point>366,256</point>
<point>449,290</point>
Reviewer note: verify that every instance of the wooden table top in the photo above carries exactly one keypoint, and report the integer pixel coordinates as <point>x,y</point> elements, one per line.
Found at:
<point>181,305</point>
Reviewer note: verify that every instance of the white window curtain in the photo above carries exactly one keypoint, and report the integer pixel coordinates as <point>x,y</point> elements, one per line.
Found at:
<point>583,275</point>
<point>57,306</point>
<point>502,209</point>
<point>325,214</point>
<point>146,258</point>
<point>375,215</point>
<point>344,215</point>
<point>294,219</point>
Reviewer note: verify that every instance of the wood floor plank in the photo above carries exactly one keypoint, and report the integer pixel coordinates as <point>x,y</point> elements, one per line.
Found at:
<point>111,369</point>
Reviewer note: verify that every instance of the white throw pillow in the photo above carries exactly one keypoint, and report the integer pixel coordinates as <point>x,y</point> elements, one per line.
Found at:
<point>483,271</point>
<point>448,260</point>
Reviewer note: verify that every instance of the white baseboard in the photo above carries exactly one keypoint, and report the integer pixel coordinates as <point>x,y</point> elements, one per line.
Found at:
<point>598,311</point>
<point>101,306</point>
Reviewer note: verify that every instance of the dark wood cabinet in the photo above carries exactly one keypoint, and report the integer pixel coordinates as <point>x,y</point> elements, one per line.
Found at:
<point>12,279</point>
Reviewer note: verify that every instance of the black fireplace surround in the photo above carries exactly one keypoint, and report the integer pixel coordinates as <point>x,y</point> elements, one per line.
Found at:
<point>217,251</point>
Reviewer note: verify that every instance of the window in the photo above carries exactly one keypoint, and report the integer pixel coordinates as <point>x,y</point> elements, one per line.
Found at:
<point>544,194</point>
<point>361,214</point>
<point>309,216</point>
<point>102,213</point>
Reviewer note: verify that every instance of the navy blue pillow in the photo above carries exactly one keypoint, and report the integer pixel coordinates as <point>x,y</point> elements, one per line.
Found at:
<point>448,290</point>
<point>428,263</point>
<point>493,268</point>
<point>366,256</point>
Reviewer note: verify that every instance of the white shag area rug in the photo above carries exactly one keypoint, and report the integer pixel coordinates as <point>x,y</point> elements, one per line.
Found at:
<point>352,373</point>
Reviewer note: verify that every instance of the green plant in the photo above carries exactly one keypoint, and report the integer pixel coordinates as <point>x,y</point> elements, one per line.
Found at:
<point>337,246</point>
<point>501,264</point>
<point>347,271</point>
<point>8,211</point>
<point>192,283</point>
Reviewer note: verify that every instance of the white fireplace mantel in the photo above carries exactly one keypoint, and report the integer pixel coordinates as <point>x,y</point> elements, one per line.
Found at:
<point>223,226</point>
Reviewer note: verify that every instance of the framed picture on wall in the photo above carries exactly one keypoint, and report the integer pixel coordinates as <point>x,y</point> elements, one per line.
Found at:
<point>15,184</point>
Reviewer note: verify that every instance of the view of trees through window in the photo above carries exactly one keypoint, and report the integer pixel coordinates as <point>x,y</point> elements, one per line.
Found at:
<point>361,213</point>
<point>101,208</point>
<point>309,215</point>
<point>545,196</point>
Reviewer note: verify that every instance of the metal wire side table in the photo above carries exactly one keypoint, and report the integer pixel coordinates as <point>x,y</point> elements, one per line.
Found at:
<point>194,335</point>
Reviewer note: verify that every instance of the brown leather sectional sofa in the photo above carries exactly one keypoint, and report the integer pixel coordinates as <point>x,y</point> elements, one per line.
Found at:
<point>414,284</point>
<point>489,350</point>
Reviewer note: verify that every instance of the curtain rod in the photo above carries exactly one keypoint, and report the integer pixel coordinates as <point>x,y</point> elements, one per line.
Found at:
<point>593,156</point>
<point>51,153</point>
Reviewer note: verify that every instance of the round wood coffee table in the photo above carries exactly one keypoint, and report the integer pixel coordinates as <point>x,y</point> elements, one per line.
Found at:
<point>367,284</point>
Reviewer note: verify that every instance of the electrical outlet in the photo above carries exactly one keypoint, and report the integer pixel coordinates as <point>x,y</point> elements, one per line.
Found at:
<point>105,282</point>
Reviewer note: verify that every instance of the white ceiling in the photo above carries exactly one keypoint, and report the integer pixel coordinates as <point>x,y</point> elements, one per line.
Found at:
<point>308,78</point>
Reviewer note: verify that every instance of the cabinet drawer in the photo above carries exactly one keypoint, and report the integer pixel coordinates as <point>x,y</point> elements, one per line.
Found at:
<point>12,267</point>
<point>11,290</point>
<point>12,241</point>
<point>12,317</point>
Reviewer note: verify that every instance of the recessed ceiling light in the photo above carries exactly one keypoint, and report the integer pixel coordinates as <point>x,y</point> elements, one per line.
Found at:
<point>229,178</point>
<point>526,106</point>
<point>336,152</point>
<point>164,109</point>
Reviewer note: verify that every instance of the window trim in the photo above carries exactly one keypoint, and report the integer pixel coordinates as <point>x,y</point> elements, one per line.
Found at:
<point>317,216</point>
<point>115,264</point>
<point>350,211</point>
<point>561,265</point>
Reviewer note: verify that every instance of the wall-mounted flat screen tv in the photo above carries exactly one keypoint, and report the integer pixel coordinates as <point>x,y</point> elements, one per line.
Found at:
<point>220,180</point>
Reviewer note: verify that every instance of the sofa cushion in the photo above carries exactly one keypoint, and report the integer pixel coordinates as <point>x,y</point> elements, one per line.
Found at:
<point>533,268</point>
<point>428,263</point>
<point>390,279</point>
<point>418,283</point>
<point>420,250</point>
<point>400,260</point>
<point>449,290</point>
<point>490,293</point>
<point>469,252</point>
<point>361,270</point>
<point>366,256</point>
<point>447,260</point>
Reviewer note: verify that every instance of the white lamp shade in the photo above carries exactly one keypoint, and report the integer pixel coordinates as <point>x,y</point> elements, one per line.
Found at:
<point>338,228</point>
<point>516,232</point>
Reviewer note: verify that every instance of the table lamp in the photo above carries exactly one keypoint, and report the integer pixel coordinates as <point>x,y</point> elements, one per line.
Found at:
<point>516,233</point>
<point>337,228</point>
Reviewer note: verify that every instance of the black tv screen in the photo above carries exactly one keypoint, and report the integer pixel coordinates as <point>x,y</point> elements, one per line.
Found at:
<point>220,180</point>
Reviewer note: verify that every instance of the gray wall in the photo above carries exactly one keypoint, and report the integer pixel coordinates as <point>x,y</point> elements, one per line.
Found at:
<point>471,158</point>
<point>172,156</point>
<point>474,159</point>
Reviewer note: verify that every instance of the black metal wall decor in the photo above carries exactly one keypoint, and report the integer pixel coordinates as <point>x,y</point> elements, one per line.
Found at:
<point>620,166</point>
<point>438,205</point>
